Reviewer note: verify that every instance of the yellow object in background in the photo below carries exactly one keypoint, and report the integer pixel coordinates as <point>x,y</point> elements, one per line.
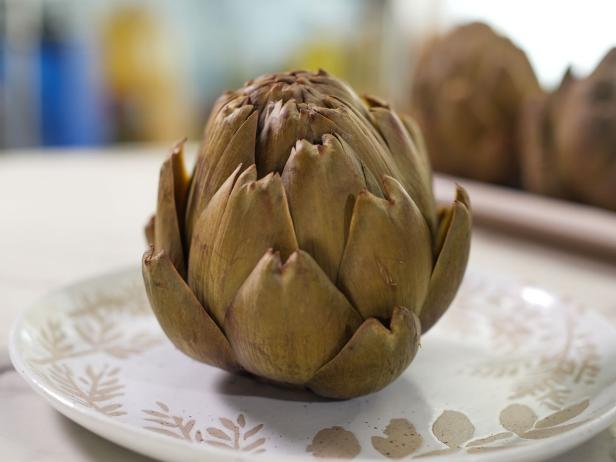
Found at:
<point>142,78</point>
<point>349,61</point>
<point>355,56</point>
<point>323,53</point>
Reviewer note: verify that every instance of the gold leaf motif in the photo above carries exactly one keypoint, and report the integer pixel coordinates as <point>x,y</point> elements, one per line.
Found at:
<point>99,327</point>
<point>437,452</point>
<point>170,425</point>
<point>54,341</point>
<point>484,449</point>
<point>255,445</point>
<point>453,428</point>
<point>540,433</point>
<point>219,444</point>
<point>130,300</point>
<point>228,424</point>
<point>402,439</point>
<point>235,438</point>
<point>563,415</point>
<point>334,442</point>
<point>489,439</point>
<point>178,427</point>
<point>163,406</point>
<point>217,433</point>
<point>570,356</point>
<point>253,431</point>
<point>93,389</point>
<point>518,418</point>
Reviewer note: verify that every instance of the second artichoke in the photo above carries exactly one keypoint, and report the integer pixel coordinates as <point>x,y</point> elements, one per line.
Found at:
<point>468,89</point>
<point>570,138</point>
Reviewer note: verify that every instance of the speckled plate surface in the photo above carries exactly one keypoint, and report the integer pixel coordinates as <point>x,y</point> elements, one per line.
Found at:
<point>512,372</point>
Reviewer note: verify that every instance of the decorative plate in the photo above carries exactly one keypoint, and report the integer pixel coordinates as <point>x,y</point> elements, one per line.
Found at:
<point>511,372</point>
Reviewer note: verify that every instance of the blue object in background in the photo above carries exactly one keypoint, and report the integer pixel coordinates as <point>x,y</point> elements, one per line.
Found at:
<point>72,103</point>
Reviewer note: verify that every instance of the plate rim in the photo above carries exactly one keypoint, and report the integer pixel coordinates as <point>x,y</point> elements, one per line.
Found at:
<point>554,446</point>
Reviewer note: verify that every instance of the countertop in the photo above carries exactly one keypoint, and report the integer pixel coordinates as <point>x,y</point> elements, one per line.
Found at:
<point>73,214</point>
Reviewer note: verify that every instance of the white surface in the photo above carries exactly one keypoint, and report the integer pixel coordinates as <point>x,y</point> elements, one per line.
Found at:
<point>68,217</point>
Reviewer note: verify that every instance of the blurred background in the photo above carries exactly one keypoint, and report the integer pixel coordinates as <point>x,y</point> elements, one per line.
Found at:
<point>99,72</point>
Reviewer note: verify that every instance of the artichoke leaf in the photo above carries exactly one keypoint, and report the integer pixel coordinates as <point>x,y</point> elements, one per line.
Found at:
<point>412,164</point>
<point>205,233</point>
<point>170,207</point>
<point>150,226</point>
<point>454,247</point>
<point>181,316</point>
<point>364,139</point>
<point>234,238</point>
<point>371,359</point>
<point>287,320</point>
<point>388,256</point>
<point>418,139</point>
<point>322,182</point>
<point>282,125</point>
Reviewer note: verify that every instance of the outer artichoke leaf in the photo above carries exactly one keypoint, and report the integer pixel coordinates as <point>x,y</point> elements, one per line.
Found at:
<point>451,261</point>
<point>255,219</point>
<point>322,182</point>
<point>205,232</point>
<point>388,256</point>
<point>149,230</point>
<point>170,207</point>
<point>181,316</point>
<point>288,319</point>
<point>412,164</point>
<point>418,139</point>
<point>373,358</point>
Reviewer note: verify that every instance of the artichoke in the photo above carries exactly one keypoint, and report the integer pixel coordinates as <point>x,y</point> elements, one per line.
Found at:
<point>570,138</point>
<point>306,248</point>
<point>468,89</point>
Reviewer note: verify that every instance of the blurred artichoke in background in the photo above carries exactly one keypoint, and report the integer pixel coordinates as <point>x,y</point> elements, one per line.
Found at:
<point>468,89</point>
<point>306,248</point>
<point>570,138</point>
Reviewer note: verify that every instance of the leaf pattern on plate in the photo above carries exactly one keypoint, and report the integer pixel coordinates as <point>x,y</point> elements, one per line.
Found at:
<point>235,435</point>
<point>94,389</point>
<point>230,435</point>
<point>402,439</point>
<point>518,418</point>
<point>335,443</point>
<point>130,300</point>
<point>98,327</point>
<point>166,424</point>
<point>563,415</point>
<point>453,429</point>
<point>521,420</point>
<point>569,357</point>
<point>78,351</point>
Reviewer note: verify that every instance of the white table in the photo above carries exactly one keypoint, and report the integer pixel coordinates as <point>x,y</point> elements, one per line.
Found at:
<point>66,216</point>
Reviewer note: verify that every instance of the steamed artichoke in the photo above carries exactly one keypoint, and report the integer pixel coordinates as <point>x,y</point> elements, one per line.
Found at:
<point>468,89</point>
<point>570,138</point>
<point>306,248</point>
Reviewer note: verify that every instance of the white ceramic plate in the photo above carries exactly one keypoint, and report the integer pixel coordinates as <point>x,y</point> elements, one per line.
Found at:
<point>511,372</point>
